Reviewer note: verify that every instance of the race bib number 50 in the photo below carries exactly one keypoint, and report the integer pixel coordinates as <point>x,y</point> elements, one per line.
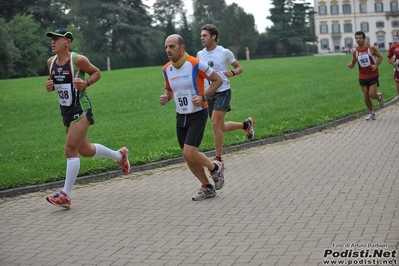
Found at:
<point>184,105</point>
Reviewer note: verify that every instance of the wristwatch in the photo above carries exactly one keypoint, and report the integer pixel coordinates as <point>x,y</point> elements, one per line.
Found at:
<point>204,98</point>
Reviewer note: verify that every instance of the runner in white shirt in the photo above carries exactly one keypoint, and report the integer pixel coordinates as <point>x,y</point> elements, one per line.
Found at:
<point>219,58</point>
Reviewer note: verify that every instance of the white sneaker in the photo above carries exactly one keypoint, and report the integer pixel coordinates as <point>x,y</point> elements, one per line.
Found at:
<point>218,175</point>
<point>250,132</point>
<point>371,116</point>
<point>204,193</point>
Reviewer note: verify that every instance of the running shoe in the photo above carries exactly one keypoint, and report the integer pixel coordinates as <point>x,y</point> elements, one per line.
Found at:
<point>371,116</point>
<point>218,160</point>
<point>218,176</point>
<point>204,193</point>
<point>250,132</point>
<point>124,162</point>
<point>60,199</point>
<point>381,103</point>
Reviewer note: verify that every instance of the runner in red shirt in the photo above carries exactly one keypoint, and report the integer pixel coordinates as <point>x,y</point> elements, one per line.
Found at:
<point>368,59</point>
<point>393,59</point>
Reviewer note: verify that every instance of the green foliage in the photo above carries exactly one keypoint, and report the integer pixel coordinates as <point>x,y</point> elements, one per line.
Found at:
<point>187,34</point>
<point>49,13</point>
<point>208,11</point>
<point>127,25</point>
<point>165,11</point>
<point>155,47</point>
<point>237,31</point>
<point>119,30</point>
<point>283,95</point>
<point>27,39</point>
<point>8,52</point>
<point>266,45</point>
<point>236,28</point>
<point>8,9</point>
<point>291,24</point>
<point>169,28</point>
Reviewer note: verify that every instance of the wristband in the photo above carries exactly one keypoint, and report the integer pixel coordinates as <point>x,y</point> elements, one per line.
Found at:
<point>234,72</point>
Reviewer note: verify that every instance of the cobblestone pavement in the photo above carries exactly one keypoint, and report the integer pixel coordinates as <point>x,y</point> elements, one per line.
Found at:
<point>304,201</point>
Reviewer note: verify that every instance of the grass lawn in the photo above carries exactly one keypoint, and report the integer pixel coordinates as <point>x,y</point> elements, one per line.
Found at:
<point>283,95</point>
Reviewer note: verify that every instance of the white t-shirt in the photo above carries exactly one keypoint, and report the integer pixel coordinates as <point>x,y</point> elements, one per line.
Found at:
<point>219,59</point>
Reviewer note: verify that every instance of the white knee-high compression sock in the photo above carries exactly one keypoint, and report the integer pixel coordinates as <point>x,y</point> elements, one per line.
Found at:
<point>72,170</point>
<point>104,152</point>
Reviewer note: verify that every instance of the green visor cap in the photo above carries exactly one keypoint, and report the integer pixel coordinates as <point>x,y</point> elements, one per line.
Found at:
<point>60,33</point>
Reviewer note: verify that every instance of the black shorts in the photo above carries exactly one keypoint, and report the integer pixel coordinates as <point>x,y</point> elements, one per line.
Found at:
<point>69,119</point>
<point>369,82</point>
<point>190,128</point>
<point>219,101</point>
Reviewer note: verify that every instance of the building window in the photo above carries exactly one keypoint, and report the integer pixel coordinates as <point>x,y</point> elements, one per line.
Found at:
<point>334,9</point>
<point>367,39</point>
<point>322,10</point>
<point>395,37</point>
<point>336,46</point>
<point>335,29</point>
<point>395,23</point>
<point>379,7</point>
<point>379,24</point>
<point>323,28</point>
<point>362,8</point>
<point>364,26</point>
<point>346,9</point>
<point>324,44</point>
<point>381,42</point>
<point>394,6</point>
<point>347,27</point>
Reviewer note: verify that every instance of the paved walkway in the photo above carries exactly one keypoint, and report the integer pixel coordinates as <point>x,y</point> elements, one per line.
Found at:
<point>303,201</point>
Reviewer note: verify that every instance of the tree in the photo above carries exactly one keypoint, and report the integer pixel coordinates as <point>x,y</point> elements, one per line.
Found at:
<point>48,13</point>
<point>87,17</point>
<point>26,49</point>
<point>169,29</point>
<point>8,9</point>
<point>117,29</point>
<point>291,23</point>
<point>166,11</point>
<point>237,30</point>
<point>8,52</point>
<point>187,35</point>
<point>208,11</point>
<point>28,39</point>
<point>302,19</point>
<point>266,45</point>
